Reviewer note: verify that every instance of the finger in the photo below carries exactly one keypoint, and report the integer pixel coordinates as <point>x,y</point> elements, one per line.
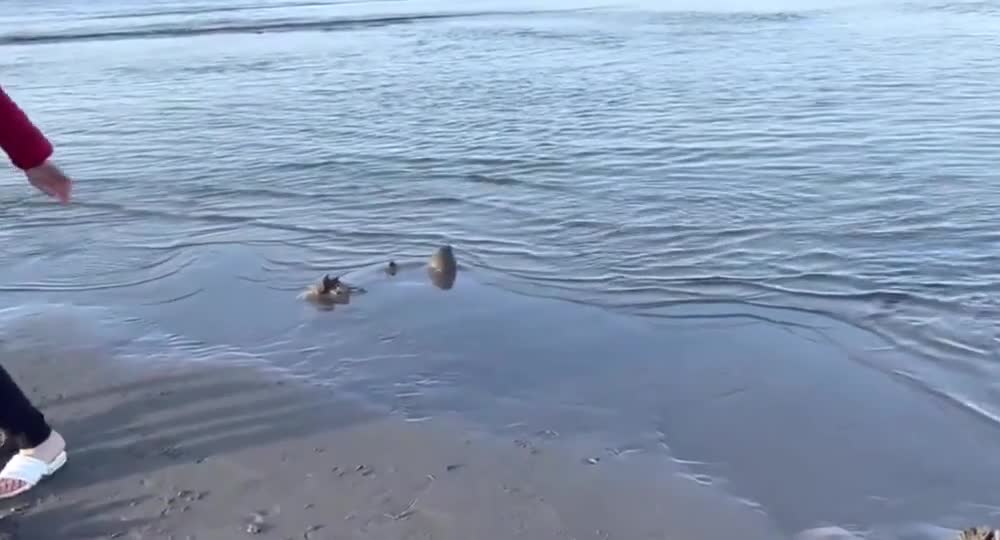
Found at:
<point>61,193</point>
<point>50,191</point>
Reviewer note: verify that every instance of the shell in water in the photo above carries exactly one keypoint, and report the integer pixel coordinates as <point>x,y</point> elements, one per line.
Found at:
<point>443,259</point>
<point>329,292</point>
<point>316,295</point>
<point>442,268</point>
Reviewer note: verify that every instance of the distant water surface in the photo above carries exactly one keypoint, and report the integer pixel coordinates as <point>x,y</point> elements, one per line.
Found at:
<point>826,167</point>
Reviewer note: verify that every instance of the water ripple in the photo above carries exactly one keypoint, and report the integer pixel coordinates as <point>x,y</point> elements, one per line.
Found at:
<point>257,26</point>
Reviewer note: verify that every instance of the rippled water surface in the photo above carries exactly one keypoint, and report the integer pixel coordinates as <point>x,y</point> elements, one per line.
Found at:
<point>826,167</point>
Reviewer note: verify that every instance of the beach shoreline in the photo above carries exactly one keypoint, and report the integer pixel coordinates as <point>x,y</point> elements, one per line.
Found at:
<point>200,451</point>
<point>742,252</point>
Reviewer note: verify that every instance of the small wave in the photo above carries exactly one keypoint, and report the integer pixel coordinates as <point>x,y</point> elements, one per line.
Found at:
<point>956,8</point>
<point>77,286</point>
<point>109,334</point>
<point>969,405</point>
<point>222,28</point>
<point>226,9</point>
<point>765,284</point>
<point>49,327</point>
<point>590,37</point>
<point>494,179</point>
<point>701,479</point>
<point>733,17</point>
<point>883,309</point>
<point>243,27</point>
<point>178,298</point>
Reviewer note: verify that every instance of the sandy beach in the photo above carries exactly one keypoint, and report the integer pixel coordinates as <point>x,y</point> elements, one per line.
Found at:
<point>199,452</point>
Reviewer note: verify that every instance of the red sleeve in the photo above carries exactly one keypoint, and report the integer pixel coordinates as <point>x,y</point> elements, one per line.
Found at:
<point>23,143</point>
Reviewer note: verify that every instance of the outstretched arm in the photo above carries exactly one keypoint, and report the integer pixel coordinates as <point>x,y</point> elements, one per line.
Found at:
<point>29,150</point>
<point>24,144</point>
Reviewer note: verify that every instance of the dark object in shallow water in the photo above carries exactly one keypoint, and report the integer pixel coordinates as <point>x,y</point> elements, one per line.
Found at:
<point>330,284</point>
<point>979,533</point>
<point>442,267</point>
<point>328,292</point>
<point>392,268</point>
<point>443,259</point>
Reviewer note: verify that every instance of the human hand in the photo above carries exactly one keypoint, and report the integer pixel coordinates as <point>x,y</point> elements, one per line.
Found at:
<point>50,180</point>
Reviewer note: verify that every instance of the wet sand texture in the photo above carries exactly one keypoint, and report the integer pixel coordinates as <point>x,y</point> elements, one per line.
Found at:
<point>222,453</point>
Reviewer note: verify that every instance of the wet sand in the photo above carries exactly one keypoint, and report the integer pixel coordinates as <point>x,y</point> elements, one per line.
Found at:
<point>203,452</point>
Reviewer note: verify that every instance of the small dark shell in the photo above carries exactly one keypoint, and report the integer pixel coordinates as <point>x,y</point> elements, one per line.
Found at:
<point>979,533</point>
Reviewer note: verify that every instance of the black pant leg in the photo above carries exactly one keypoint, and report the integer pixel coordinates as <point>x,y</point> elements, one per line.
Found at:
<point>18,417</point>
